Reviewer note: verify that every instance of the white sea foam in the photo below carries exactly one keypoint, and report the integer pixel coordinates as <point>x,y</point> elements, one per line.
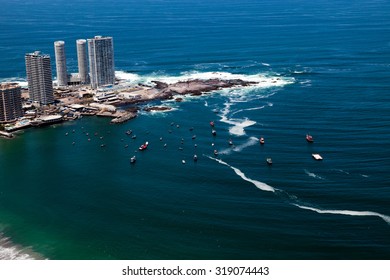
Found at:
<point>346,212</point>
<point>252,109</point>
<point>265,64</point>
<point>341,171</point>
<point>292,199</point>
<point>10,251</point>
<point>238,125</point>
<point>262,186</point>
<point>313,175</point>
<point>251,141</point>
<point>260,79</point>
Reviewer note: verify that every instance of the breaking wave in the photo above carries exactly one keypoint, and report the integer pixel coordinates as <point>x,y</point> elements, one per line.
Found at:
<point>260,79</point>
<point>10,251</point>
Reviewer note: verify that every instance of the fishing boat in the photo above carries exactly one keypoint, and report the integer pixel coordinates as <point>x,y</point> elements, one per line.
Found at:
<point>143,146</point>
<point>133,159</point>
<point>269,161</point>
<point>262,141</point>
<point>309,138</point>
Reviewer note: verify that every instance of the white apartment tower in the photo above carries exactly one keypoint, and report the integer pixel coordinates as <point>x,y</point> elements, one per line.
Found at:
<point>62,74</point>
<point>40,82</point>
<point>82,60</point>
<point>10,102</point>
<point>101,61</point>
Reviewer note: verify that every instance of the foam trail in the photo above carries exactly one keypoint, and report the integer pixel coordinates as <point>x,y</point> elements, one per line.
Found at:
<point>313,175</point>
<point>238,126</point>
<point>265,187</point>
<point>258,184</point>
<point>252,141</point>
<point>252,109</point>
<point>346,212</point>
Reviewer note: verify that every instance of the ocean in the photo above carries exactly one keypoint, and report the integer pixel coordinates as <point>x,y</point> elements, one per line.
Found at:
<point>321,67</point>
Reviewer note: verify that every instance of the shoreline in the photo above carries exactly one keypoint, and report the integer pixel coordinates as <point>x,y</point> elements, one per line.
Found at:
<point>74,103</point>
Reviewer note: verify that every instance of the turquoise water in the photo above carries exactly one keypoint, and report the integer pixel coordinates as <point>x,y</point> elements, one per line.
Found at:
<point>330,63</point>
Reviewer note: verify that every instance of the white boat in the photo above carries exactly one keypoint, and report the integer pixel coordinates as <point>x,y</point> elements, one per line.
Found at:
<point>183,161</point>
<point>316,156</point>
<point>195,158</point>
<point>133,159</point>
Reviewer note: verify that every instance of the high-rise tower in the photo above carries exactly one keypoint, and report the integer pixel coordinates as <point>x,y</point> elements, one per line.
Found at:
<point>101,61</point>
<point>82,60</point>
<point>40,82</point>
<point>10,102</point>
<point>62,74</point>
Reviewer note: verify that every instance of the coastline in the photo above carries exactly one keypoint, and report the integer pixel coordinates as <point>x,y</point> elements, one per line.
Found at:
<point>72,103</point>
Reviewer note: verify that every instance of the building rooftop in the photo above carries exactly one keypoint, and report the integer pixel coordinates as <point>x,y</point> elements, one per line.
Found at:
<point>4,86</point>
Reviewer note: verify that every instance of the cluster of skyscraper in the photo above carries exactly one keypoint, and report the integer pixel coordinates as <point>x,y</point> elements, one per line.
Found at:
<point>39,74</point>
<point>101,62</point>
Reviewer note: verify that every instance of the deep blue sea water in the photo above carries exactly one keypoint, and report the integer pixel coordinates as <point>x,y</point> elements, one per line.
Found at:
<point>323,68</point>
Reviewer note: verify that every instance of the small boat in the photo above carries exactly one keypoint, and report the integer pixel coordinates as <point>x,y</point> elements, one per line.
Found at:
<point>213,132</point>
<point>133,159</point>
<point>262,141</point>
<point>230,142</point>
<point>269,161</point>
<point>183,161</point>
<point>66,134</point>
<point>126,146</point>
<point>316,156</point>
<point>191,128</point>
<point>180,148</point>
<point>195,158</point>
<point>196,145</point>
<point>160,138</point>
<point>172,123</point>
<point>165,145</point>
<point>215,152</point>
<point>73,143</point>
<point>309,138</point>
<point>102,145</point>
<point>134,136</point>
<point>177,126</point>
<point>129,132</point>
<point>193,136</point>
<point>143,146</point>
<point>212,124</point>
